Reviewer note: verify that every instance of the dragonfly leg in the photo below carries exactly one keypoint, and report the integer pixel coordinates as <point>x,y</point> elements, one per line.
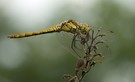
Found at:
<point>73,44</point>
<point>87,39</point>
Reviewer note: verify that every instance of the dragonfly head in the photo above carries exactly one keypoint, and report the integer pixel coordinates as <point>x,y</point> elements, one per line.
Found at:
<point>85,28</point>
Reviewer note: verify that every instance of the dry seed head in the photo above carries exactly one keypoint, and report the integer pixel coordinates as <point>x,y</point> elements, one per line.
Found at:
<point>95,47</point>
<point>101,35</point>
<point>67,76</point>
<point>79,65</point>
<point>100,54</point>
<point>74,79</point>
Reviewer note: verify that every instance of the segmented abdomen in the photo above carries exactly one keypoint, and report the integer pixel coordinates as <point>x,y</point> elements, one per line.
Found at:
<point>27,34</point>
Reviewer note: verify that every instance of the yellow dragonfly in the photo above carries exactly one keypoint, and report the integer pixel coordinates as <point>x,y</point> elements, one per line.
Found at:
<point>71,26</point>
<point>85,39</point>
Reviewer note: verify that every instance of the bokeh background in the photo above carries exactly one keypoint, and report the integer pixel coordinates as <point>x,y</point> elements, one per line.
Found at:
<point>43,58</point>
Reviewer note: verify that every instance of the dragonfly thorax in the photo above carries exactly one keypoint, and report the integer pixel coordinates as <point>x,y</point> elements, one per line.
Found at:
<point>69,26</point>
<point>73,27</point>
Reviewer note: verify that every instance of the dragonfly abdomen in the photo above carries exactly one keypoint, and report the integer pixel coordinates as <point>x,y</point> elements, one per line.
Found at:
<point>28,34</point>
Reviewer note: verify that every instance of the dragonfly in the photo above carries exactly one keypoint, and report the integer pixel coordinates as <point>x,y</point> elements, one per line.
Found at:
<point>80,32</point>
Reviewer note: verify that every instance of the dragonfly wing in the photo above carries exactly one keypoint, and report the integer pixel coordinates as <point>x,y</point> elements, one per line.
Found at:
<point>65,39</point>
<point>102,40</point>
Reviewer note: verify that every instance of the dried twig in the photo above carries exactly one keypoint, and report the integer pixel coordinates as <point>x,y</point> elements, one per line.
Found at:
<point>91,55</point>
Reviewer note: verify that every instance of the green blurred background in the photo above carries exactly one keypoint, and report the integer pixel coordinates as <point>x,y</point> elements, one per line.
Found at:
<point>43,59</point>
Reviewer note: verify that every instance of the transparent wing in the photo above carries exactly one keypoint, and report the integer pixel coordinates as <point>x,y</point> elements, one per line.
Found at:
<point>104,40</point>
<point>3,36</point>
<point>65,39</point>
<point>78,50</point>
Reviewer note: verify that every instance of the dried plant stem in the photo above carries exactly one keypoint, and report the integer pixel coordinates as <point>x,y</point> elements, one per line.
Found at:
<point>91,55</point>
